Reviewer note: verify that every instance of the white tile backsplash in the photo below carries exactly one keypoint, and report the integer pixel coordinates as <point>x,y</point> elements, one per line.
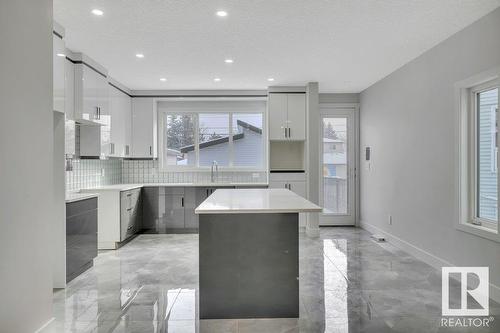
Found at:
<point>146,171</point>
<point>94,173</point>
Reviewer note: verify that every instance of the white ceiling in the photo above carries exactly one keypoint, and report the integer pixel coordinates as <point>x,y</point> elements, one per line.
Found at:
<point>345,45</point>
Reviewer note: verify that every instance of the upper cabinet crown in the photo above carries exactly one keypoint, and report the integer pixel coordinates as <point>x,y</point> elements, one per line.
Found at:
<point>287,116</point>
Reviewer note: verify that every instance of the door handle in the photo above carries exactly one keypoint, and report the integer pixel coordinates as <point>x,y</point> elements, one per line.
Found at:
<point>290,187</point>
<point>289,132</point>
<point>285,131</point>
<point>182,202</point>
<point>150,150</point>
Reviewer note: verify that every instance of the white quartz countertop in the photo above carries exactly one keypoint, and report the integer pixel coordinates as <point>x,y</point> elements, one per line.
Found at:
<point>234,201</point>
<point>75,196</point>
<point>126,187</point>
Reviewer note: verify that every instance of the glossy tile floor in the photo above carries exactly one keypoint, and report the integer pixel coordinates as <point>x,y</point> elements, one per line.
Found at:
<point>348,283</point>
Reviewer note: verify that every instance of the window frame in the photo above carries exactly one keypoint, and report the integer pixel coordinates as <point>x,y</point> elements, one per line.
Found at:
<point>467,103</point>
<point>181,168</point>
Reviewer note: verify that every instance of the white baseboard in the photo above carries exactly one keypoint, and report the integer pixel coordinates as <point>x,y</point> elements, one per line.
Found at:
<point>420,254</point>
<point>45,325</point>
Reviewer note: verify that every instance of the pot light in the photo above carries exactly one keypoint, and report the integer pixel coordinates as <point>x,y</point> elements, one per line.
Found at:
<point>217,79</point>
<point>229,61</point>
<point>163,79</point>
<point>139,55</point>
<point>221,13</point>
<point>270,79</point>
<point>60,55</point>
<point>97,12</point>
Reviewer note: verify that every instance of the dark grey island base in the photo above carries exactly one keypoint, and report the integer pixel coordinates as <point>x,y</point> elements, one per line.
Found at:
<point>249,265</point>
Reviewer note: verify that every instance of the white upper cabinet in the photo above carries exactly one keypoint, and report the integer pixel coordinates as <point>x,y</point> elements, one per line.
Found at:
<point>277,116</point>
<point>143,128</point>
<point>120,106</point>
<point>92,110</point>
<point>287,116</point>
<point>59,64</point>
<point>69,83</point>
<point>296,121</point>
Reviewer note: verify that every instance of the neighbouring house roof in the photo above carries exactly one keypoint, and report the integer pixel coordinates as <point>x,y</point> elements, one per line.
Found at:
<point>334,158</point>
<point>224,139</point>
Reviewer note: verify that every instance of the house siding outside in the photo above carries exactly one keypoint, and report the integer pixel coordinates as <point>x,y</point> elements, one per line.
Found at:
<point>488,102</point>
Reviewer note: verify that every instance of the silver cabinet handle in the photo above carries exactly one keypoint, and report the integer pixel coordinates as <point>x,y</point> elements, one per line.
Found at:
<point>150,150</point>
<point>290,187</point>
<point>285,132</point>
<point>289,132</point>
<point>182,202</point>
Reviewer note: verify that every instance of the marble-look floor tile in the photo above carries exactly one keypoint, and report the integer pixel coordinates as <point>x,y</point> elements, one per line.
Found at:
<point>347,282</point>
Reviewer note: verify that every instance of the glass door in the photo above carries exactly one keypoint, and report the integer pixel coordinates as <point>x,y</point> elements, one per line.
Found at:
<point>337,165</point>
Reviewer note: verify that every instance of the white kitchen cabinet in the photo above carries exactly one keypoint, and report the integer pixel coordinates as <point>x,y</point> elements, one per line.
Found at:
<point>294,181</point>
<point>59,64</point>
<point>119,215</point>
<point>287,116</point>
<point>69,90</point>
<point>296,111</point>
<point>91,107</point>
<point>277,116</point>
<point>143,128</point>
<point>121,113</point>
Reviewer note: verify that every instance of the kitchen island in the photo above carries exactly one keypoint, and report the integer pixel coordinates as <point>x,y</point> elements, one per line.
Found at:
<point>249,253</point>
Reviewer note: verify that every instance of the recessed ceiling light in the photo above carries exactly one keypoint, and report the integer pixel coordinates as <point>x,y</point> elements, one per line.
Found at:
<point>217,79</point>
<point>97,12</point>
<point>221,13</point>
<point>163,79</point>
<point>270,79</point>
<point>229,61</point>
<point>139,55</point>
<point>60,55</point>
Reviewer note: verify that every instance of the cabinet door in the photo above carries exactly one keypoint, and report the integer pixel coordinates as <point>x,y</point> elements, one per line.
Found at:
<point>86,92</point>
<point>278,184</point>
<point>119,106</point>
<point>59,68</point>
<point>69,90</point>
<point>277,107</point>
<point>104,116</point>
<point>296,116</point>
<point>150,208</point>
<point>171,212</point>
<point>190,203</point>
<point>298,188</point>
<point>142,127</point>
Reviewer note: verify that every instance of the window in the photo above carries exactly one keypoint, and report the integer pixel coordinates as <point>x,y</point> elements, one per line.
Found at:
<point>478,149</point>
<point>197,133</point>
<point>485,100</point>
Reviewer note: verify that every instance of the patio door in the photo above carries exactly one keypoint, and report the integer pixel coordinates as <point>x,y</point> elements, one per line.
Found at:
<point>338,157</point>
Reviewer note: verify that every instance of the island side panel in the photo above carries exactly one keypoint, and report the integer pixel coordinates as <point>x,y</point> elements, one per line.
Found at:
<point>249,265</point>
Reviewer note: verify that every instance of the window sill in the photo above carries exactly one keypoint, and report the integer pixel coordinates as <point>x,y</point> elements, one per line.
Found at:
<point>480,231</point>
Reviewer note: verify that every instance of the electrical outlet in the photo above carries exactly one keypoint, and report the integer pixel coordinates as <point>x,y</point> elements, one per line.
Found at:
<point>390,219</point>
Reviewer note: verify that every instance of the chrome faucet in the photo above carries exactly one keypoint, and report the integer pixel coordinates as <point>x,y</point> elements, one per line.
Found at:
<point>214,174</point>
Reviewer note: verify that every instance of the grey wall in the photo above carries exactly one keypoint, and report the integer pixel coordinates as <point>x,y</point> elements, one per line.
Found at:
<point>26,198</point>
<point>408,119</point>
<point>338,98</point>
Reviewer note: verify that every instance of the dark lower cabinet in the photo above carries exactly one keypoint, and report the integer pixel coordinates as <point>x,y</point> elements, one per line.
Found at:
<point>81,236</point>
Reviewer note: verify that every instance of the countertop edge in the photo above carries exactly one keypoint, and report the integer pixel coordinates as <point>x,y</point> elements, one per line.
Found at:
<point>80,196</point>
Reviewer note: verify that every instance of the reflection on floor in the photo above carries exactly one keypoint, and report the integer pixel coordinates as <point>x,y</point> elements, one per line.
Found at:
<point>348,283</point>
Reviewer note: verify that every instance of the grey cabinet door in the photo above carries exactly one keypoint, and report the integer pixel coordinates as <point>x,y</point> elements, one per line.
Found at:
<point>190,204</point>
<point>81,236</point>
<point>171,212</point>
<point>150,208</point>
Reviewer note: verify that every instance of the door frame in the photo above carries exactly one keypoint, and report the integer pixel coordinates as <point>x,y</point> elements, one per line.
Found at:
<point>351,110</point>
